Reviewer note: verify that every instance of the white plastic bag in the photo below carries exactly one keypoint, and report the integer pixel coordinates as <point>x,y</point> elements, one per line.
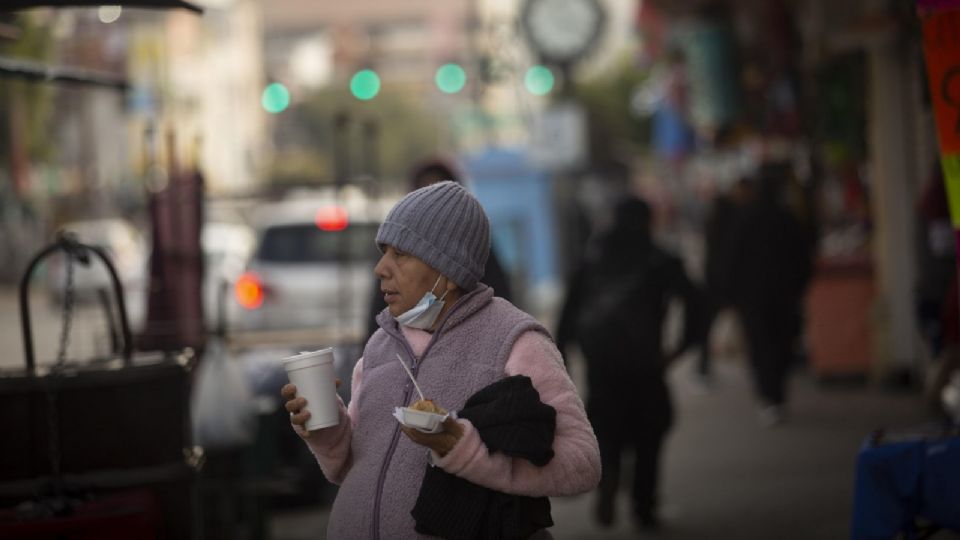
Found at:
<point>222,405</point>
<point>951,397</point>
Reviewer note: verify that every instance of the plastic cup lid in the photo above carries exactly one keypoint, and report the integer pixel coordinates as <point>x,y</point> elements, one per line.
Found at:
<point>307,354</point>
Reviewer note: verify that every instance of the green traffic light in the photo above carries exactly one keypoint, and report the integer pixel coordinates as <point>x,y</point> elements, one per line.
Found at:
<point>538,80</point>
<point>451,78</point>
<point>365,84</point>
<point>275,98</point>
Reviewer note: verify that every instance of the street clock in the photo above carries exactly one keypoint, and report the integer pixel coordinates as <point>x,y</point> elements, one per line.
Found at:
<point>562,31</point>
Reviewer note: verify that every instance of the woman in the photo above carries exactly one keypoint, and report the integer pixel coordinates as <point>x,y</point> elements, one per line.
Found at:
<point>424,174</point>
<point>458,339</point>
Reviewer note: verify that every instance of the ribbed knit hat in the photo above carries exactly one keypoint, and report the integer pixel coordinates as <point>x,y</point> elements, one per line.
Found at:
<point>444,226</point>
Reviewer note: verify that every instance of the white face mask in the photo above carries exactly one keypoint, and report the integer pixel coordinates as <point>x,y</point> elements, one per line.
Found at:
<point>425,313</point>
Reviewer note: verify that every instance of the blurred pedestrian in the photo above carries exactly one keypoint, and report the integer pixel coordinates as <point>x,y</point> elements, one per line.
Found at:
<point>770,270</point>
<point>947,361</point>
<point>615,308</point>
<point>719,238</point>
<point>937,266</point>
<point>937,291</point>
<point>425,173</point>
<point>520,433</point>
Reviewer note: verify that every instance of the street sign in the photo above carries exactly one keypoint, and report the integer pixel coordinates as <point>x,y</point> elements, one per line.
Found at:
<point>558,138</point>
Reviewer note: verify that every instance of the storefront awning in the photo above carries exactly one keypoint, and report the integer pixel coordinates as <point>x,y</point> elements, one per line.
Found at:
<point>14,5</point>
<point>37,72</point>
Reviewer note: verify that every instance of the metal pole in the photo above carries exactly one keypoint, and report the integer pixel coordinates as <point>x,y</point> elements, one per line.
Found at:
<point>341,137</point>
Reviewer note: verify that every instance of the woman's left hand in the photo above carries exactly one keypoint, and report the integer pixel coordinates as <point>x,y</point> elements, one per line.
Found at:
<point>441,442</point>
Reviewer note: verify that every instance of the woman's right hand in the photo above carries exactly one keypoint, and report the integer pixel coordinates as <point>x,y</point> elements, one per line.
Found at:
<point>297,407</point>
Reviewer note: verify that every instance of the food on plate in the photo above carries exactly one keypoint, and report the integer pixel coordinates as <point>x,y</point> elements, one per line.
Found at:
<point>427,405</point>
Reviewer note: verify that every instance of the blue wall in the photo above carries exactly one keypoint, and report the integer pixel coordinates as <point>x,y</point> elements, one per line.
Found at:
<point>519,201</point>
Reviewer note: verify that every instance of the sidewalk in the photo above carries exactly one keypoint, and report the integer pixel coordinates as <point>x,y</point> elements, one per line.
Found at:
<point>726,477</point>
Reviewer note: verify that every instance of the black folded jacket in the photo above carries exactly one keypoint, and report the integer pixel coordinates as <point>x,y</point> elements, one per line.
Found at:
<point>509,418</point>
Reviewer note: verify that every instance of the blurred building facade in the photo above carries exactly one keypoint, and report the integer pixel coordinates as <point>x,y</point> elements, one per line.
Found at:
<point>310,46</point>
<point>199,79</point>
<point>189,98</point>
<point>197,76</point>
<point>403,41</point>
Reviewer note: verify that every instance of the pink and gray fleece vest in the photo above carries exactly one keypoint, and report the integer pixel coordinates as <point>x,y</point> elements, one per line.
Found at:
<point>468,352</point>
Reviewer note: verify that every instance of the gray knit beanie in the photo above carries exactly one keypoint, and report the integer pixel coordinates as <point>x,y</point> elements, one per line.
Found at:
<point>444,226</point>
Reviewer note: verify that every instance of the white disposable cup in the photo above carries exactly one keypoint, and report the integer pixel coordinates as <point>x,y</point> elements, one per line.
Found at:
<point>313,374</point>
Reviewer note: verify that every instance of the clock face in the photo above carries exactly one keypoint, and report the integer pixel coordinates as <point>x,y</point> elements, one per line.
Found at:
<point>562,30</point>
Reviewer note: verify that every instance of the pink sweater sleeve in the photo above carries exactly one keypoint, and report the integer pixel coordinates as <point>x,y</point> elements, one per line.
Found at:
<point>575,467</point>
<point>331,446</point>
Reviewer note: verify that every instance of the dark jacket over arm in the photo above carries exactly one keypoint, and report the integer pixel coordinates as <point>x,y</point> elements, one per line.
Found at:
<point>509,418</point>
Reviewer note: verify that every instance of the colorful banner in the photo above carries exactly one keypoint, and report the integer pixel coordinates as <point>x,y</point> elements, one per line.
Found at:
<point>951,178</point>
<point>941,49</point>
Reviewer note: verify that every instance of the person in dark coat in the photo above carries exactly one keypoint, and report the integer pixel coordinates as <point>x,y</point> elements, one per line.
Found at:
<point>770,269</point>
<point>937,291</point>
<point>937,260</point>
<point>718,235</point>
<point>615,308</point>
<point>424,174</point>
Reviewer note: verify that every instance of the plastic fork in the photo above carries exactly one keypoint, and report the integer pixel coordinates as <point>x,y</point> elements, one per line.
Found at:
<point>410,374</point>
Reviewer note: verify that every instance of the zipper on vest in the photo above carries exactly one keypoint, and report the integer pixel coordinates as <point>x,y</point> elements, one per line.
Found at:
<point>383,475</point>
<point>381,480</point>
<point>414,368</point>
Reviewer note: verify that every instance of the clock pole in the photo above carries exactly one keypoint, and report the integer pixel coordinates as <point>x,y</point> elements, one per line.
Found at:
<point>566,80</point>
<point>562,33</point>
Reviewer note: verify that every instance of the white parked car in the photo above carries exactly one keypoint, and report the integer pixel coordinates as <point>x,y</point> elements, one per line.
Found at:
<point>226,249</point>
<point>311,272</point>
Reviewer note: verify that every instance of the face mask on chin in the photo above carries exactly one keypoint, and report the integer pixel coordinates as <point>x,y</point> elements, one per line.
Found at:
<point>425,313</point>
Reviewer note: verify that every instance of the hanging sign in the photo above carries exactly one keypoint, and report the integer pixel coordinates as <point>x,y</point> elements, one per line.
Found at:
<point>941,46</point>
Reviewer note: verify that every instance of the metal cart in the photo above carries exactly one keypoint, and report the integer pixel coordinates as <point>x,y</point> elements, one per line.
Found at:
<point>99,448</point>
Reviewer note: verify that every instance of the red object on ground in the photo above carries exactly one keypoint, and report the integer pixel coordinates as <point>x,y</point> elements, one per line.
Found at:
<point>839,331</point>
